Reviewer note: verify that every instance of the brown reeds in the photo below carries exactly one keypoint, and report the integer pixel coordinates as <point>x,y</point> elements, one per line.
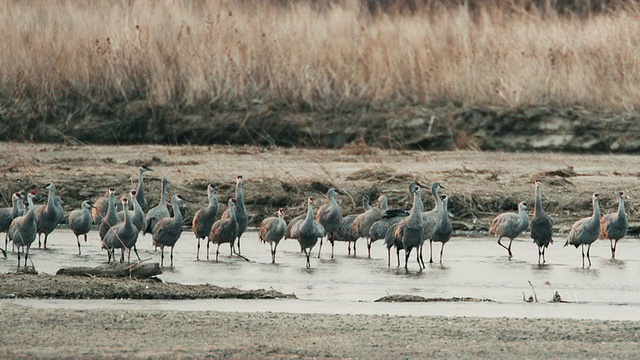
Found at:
<point>299,54</point>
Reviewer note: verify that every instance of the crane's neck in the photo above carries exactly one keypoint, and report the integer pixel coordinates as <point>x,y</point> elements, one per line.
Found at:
<point>621,212</point>
<point>125,207</point>
<point>281,220</point>
<point>445,212</point>
<point>86,207</point>
<point>384,204</point>
<point>140,188</point>
<point>175,203</point>
<point>31,212</point>
<point>213,200</point>
<point>537,206</point>
<point>51,201</point>
<point>417,207</point>
<point>163,195</point>
<point>134,203</point>
<point>16,208</point>
<point>436,197</point>
<point>524,217</point>
<point>232,212</point>
<point>365,204</point>
<point>239,193</point>
<point>596,209</point>
<point>309,213</point>
<point>112,205</point>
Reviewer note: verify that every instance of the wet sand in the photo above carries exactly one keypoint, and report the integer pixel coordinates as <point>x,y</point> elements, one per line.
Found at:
<point>178,334</point>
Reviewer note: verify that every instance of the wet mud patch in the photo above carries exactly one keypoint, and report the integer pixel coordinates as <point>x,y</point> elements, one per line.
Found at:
<point>44,286</point>
<point>417,298</point>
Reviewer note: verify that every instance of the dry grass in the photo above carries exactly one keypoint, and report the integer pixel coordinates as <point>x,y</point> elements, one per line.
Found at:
<point>239,53</point>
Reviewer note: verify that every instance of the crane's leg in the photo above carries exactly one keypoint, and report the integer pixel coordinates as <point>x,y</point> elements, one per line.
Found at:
<point>368,248</point>
<point>348,248</point>
<point>509,249</point>
<point>232,248</point>
<point>239,252</point>
<point>613,249</point>
<point>388,257</point>
<point>135,250</point>
<point>398,255</point>
<point>582,247</point>
<point>273,252</point>
<point>418,255</point>
<point>540,251</point>
<point>208,242</point>
<point>354,248</point>
<point>128,256</point>
<point>78,240</point>
<point>589,257</point>
<point>19,256</point>
<point>172,256</point>
<point>121,255</point>
<point>544,257</point>
<point>4,252</point>
<point>319,248</point>
<point>218,252</point>
<point>39,243</point>
<point>333,246</point>
<point>45,241</point>
<point>85,237</point>
<point>431,251</point>
<point>26,255</point>
<point>499,243</point>
<point>307,253</point>
<point>421,257</point>
<point>406,258</point>
<point>441,252</point>
<point>198,252</point>
<point>161,255</point>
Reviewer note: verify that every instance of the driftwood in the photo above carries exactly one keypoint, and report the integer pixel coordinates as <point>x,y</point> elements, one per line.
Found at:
<point>137,270</point>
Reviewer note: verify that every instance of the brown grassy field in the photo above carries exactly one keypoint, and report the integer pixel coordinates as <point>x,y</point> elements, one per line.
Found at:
<point>58,54</point>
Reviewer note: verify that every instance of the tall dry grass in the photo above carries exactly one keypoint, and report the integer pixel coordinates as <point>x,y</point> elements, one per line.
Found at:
<point>230,53</point>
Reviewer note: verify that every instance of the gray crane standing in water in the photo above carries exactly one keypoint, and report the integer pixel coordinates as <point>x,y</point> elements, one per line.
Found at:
<point>541,226</point>
<point>80,222</point>
<point>329,216</point>
<point>585,231</point>
<point>137,216</point>
<point>363,223</point>
<point>410,230</point>
<point>168,230</point>
<point>205,217</point>
<point>272,230</point>
<point>242,217</point>
<point>224,230</point>
<point>110,218</point>
<point>614,226</point>
<point>158,212</point>
<point>23,229</point>
<point>345,233</point>
<point>140,198</point>
<point>308,231</point>
<point>510,225</point>
<point>432,219</point>
<point>443,231</point>
<point>6,217</point>
<point>121,236</point>
<point>49,215</point>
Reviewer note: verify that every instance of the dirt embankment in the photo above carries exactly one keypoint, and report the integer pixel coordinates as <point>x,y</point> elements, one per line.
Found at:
<point>446,127</point>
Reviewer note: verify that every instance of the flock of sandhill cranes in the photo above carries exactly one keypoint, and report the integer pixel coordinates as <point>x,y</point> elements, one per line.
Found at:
<point>400,229</point>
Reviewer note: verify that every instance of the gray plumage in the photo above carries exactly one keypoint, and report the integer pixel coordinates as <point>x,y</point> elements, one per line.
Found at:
<point>168,230</point>
<point>432,219</point>
<point>137,214</point>
<point>290,224</point>
<point>410,230</point>
<point>205,217</point>
<point>272,230</point>
<point>121,236</point>
<point>510,225</point>
<point>241,212</point>
<point>224,230</point>
<point>614,226</point>
<point>140,198</point>
<point>443,231</point>
<point>541,226</point>
<point>158,212</point>
<point>80,222</point>
<point>308,231</point>
<point>585,231</point>
<point>23,229</point>
<point>49,215</point>
<point>329,215</point>
<point>345,233</point>
<point>363,223</point>
<point>7,215</point>
<point>110,218</point>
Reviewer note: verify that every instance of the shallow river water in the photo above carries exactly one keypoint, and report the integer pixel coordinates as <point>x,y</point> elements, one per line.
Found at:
<point>472,267</point>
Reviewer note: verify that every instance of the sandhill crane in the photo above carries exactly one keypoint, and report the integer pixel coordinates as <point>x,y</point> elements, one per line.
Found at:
<point>159,212</point>
<point>205,217</point>
<point>614,226</point>
<point>80,222</point>
<point>140,188</point>
<point>7,215</point>
<point>510,225</point>
<point>137,214</point>
<point>224,230</point>
<point>100,206</point>
<point>444,231</point>
<point>431,218</point>
<point>49,215</point>
<point>329,216</point>
<point>345,233</point>
<point>111,217</point>
<point>362,224</point>
<point>272,230</point>
<point>410,230</point>
<point>241,212</point>
<point>121,236</point>
<point>308,231</point>
<point>541,226</point>
<point>380,229</point>
<point>585,231</point>
<point>23,229</point>
<point>168,230</point>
